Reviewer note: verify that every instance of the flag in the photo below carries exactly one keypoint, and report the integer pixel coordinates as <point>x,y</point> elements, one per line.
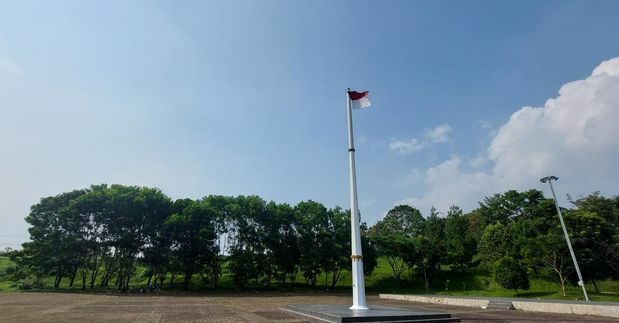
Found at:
<point>359,100</point>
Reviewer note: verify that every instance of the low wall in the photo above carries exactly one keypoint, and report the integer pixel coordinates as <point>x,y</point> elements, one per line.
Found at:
<point>470,302</point>
<point>568,308</point>
<point>545,306</point>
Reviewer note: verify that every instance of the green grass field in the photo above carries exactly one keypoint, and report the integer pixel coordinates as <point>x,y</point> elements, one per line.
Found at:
<point>473,282</point>
<point>5,283</point>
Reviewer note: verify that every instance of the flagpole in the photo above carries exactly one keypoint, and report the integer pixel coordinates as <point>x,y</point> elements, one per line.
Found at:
<point>358,284</point>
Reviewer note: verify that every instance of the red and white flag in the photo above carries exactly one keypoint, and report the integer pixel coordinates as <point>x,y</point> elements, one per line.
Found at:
<point>359,100</point>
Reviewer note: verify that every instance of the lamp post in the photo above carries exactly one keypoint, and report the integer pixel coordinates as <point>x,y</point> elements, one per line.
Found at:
<point>549,179</point>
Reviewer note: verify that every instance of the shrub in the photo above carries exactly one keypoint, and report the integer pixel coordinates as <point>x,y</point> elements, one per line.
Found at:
<point>510,274</point>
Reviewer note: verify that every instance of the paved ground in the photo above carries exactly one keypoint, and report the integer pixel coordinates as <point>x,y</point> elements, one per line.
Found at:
<point>250,307</point>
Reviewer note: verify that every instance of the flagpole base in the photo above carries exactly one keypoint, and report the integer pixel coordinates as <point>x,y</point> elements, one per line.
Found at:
<point>358,308</point>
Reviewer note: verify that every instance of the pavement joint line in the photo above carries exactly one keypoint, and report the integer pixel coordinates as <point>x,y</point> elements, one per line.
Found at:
<point>302,315</point>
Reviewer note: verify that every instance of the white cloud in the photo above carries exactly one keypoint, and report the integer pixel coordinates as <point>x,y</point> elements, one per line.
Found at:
<point>482,124</point>
<point>407,146</point>
<point>450,185</point>
<point>439,134</point>
<point>9,67</point>
<point>573,136</point>
<point>10,75</point>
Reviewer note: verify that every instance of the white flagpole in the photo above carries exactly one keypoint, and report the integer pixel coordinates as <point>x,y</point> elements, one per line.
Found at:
<point>358,284</point>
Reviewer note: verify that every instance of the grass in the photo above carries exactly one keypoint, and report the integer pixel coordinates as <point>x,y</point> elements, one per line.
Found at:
<point>5,283</point>
<point>473,282</point>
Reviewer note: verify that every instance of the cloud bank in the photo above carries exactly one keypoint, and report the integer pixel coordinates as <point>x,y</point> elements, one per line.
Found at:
<point>574,136</point>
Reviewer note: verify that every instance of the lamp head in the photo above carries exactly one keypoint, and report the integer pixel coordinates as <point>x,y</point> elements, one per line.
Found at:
<point>549,178</point>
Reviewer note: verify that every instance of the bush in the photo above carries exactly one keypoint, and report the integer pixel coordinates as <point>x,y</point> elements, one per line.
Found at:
<point>10,271</point>
<point>510,274</point>
<point>29,283</point>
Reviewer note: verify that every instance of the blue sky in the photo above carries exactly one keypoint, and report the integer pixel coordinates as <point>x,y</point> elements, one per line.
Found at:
<point>248,97</point>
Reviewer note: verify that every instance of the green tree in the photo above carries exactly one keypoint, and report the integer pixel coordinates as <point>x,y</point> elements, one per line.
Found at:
<point>52,246</point>
<point>514,205</point>
<point>402,220</point>
<point>370,252</point>
<point>608,209</point>
<point>394,237</point>
<point>312,222</point>
<point>427,257</point>
<point>460,244</point>
<point>398,250</point>
<point>509,274</point>
<point>549,254</point>
<point>495,243</point>
<point>248,254</point>
<point>193,237</point>
<point>589,233</point>
<point>284,241</point>
<point>338,256</point>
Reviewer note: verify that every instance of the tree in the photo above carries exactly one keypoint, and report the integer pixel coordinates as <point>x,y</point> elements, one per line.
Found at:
<point>248,254</point>
<point>402,220</point>
<point>427,258</point>
<point>434,228</point>
<point>398,250</point>
<point>193,237</point>
<point>589,234</point>
<point>513,205</point>
<point>495,243</point>
<point>394,237</point>
<point>52,246</point>
<point>312,224</point>
<point>282,240</point>
<point>607,248</point>
<point>600,205</point>
<point>370,252</point>
<point>460,245</point>
<point>509,274</point>
<point>338,256</point>
<point>549,252</point>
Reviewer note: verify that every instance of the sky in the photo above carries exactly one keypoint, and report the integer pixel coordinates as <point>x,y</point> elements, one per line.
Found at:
<point>468,98</point>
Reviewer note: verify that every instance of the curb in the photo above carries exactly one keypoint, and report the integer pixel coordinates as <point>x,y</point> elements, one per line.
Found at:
<point>546,306</point>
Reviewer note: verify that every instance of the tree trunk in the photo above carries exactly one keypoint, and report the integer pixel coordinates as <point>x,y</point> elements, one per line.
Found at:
<point>326,279</point>
<point>95,272</point>
<point>595,286</point>
<point>73,274</point>
<point>120,279</point>
<point>83,278</point>
<point>269,278</point>
<point>59,274</point>
<point>109,271</point>
<point>336,277</point>
<point>188,274</point>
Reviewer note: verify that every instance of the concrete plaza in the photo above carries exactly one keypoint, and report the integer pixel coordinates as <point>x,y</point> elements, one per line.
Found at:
<point>222,307</point>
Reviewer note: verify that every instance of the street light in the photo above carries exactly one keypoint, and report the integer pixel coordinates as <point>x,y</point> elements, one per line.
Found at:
<point>549,179</point>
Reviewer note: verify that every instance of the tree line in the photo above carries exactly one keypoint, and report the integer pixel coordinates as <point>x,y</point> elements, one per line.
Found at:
<point>510,235</point>
<point>100,236</point>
